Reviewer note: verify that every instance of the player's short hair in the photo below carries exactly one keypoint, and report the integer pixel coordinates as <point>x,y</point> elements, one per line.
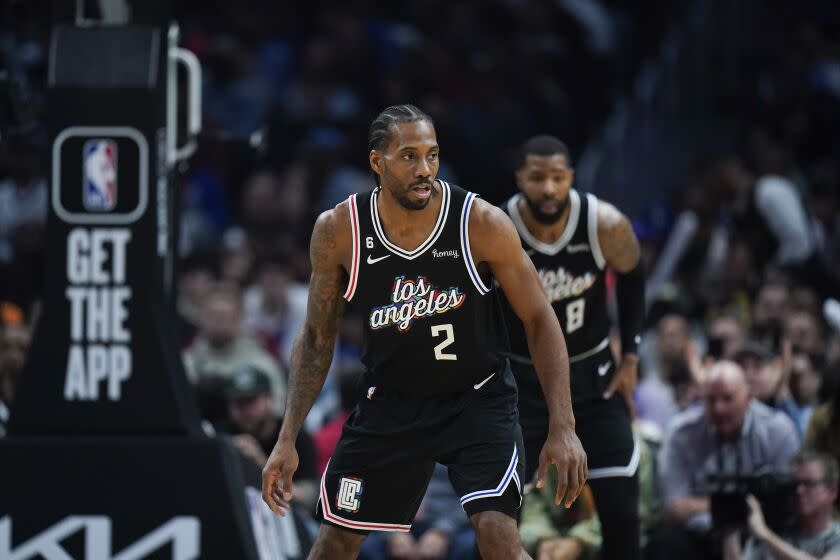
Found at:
<point>828,464</point>
<point>542,145</point>
<point>380,129</point>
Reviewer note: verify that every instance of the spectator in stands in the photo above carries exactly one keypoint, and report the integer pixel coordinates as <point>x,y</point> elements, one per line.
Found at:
<point>768,376</point>
<point>549,532</point>
<point>195,282</point>
<point>814,534</point>
<point>255,428</point>
<point>804,331</point>
<point>441,529</point>
<point>769,311</point>
<point>14,343</point>
<point>657,395</point>
<point>221,347</point>
<point>275,307</point>
<point>806,385</point>
<point>727,332</point>
<point>731,432</point>
<point>823,431</point>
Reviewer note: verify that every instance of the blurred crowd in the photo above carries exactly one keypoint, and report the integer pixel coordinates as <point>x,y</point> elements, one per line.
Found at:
<point>741,360</point>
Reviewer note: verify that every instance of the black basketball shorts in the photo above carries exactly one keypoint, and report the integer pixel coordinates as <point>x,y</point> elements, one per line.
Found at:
<point>604,427</point>
<point>384,460</point>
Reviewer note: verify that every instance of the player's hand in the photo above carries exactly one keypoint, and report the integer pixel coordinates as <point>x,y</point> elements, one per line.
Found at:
<point>433,545</point>
<point>624,381</point>
<point>277,476</point>
<point>563,450</point>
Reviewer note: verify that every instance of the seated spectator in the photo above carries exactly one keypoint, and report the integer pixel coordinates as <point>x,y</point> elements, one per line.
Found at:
<point>806,377</point>
<point>823,431</point>
<point>732,433</point>
<point>195,283</point>
<point>656,397</point>
<point>255,429</point>
<point>275,307</point>
<point>220,347</point>
<point>550,532</point>
<point>814,534</point>
<point>441,529</point>
<point>14,342</point>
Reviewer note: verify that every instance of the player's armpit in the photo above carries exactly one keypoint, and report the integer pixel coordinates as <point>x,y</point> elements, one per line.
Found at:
<point>616,238</point>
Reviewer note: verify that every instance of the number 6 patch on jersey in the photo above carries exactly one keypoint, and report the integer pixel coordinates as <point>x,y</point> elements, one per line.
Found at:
<point>349,490</point>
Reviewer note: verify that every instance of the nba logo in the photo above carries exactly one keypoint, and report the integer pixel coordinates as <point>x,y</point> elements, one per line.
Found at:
<point>100,175</point>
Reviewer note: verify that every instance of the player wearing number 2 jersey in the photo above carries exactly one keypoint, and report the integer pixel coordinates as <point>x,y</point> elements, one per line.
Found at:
<point>572,237</point>
<point>419,259</point>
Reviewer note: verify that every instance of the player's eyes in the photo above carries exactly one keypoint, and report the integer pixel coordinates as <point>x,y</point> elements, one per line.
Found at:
<point>433,156</point>
<point>408,156</point>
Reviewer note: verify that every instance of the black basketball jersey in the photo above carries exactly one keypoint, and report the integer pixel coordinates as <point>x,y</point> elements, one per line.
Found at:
<point>432,322</point>
<point>572,274</point>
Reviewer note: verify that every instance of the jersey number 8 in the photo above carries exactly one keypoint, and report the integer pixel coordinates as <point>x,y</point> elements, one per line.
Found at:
<point>574,315</point>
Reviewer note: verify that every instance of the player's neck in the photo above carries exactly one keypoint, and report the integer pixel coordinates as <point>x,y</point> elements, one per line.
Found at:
<point>404,227</point>
<point>547,233</point>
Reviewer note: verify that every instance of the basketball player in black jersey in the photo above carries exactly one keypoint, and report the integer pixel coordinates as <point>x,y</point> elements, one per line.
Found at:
<point>419,259</point>
<point>572,237</point>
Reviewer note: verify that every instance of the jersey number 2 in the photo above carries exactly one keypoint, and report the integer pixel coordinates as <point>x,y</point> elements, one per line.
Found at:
<point>446,329</point>
<point>574,315</point>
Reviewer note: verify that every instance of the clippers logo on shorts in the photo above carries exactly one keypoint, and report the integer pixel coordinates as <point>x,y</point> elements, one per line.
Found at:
<point>100,175</point>
<point>414,299</point>
<point>349,490</point>
<point>559,284</point>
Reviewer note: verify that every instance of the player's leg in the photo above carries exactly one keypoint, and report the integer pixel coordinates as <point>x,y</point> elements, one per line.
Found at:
<point>483,452</point>
<point>617,502</point>
<point>606,433</point>
<point>497,536</point>
<point>336,543</point>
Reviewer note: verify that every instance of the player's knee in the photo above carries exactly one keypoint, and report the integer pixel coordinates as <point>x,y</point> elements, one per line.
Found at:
<point>334,542</point>
<point>497,535</point>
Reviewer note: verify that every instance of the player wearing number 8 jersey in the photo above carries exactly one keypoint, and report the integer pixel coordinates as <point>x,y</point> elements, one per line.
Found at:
<point>572,238</point>
<point>417,258</point>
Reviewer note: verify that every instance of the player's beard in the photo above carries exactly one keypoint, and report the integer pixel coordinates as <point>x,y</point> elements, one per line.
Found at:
<point>543,217</point>
<point>401,195</point>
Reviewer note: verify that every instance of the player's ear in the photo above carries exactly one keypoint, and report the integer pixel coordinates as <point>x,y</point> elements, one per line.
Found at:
<point>375,159</point>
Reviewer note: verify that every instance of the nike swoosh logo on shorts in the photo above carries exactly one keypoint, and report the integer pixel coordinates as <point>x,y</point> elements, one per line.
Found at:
<point>478,386</point>
<point>371,260</point>
<point>604,368</point>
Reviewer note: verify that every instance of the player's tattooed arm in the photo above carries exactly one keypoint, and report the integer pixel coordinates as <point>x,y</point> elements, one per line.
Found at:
<point>616,238</point>
<point>313,348</point>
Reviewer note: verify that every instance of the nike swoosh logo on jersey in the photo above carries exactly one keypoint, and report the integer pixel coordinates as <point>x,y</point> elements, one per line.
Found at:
<point>371,260</point>
<point>579,248</point>
<point>604,368</point>
<point>478,386</point>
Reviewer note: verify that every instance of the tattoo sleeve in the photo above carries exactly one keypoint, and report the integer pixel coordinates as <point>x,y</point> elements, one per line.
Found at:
<point>313,348</point>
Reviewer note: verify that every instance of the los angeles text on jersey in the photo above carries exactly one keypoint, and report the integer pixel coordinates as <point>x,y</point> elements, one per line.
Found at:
<point>559,284</point>
<point>414,299</point>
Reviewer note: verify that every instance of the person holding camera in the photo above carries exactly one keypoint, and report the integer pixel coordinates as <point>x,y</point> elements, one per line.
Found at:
<point>814,534</point>
<point>732,435</point>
